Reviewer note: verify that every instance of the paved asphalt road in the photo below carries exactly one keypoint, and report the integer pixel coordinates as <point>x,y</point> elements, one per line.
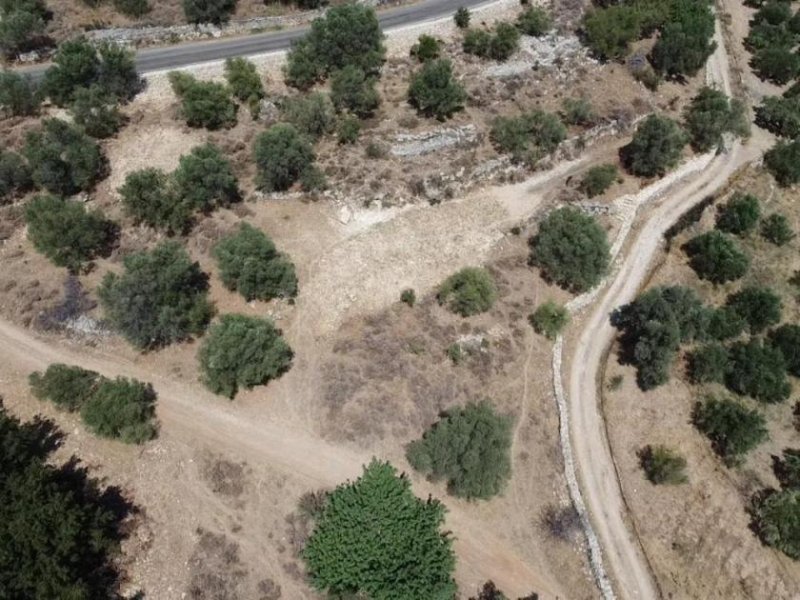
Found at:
<point>181,55</point>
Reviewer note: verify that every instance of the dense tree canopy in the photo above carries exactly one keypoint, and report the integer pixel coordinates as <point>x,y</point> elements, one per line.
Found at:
<point>710,115</point>
<point>243,79</point>
<point>22,25</point>
<point>63,159</point>
<point>777,520</point>
<point>655,148</point>
<point>470,448</point>
<point>783,161</point>
<point>759,371</point>
<point>780,115</point>
<point>571,249</point>
<point>18,95</point>
<point>716,257</point>
<point>434,92</point>
<point>786,338</point>
<point>96,111</point>
<point>733,428</point>
<point>149,198</point>
<point>160,298</point>
<point>66,233</point>
<point>353,90</point>
<point>685,41</point>
<point>776,64</point>
<point>760,307</point>
<point>739,215</point>
<point>374,537</point>
<point>598,179</point>
<point>468,292</point>
<point>282,156</point>
<point>66,386</point>
<point>204,179</point>
<point>709,363</point>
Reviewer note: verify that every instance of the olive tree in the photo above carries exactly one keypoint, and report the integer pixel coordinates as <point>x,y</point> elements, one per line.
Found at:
<point>148,197</point>
<point>204,179</point>
<point>710,115</point>
<point>15,176</point>
<point>353,90</point>
<point>282,155</point>
<point>739,215</point>
<point>655,148</point>
<point>18,95</point>
<point>733,428</point>
<point>716,257</point>
<point>468,292</point>
<point>783,161</point>
<point>434,92</point>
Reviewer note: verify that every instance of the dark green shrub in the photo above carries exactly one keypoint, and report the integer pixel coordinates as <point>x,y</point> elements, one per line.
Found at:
<point>15,176</point>
<point>477,42</point>
<point>714,256</point>
<point>133,8</point>
<point>662,465</point>
<point>148,197</point>
<point>434,92</point>
<point>208,11</point>
<point>571,249</point>
<point>348,129</point>
<point>63,159</point>
<point>160,298</point>
<point>712,114</point>
<point>22,25</point>
<point>786,338</point>
<point>242,352</point>
<point>725,323</point>
<point>776,64</point>
<point>66,386</point>
<point>528,137</point>
<point>250,264</point>
<point>759,307</point>
<point>685,44</point>
<point>505,41</point>
<point>608,32</point>
<point>709,363</point>
<point>655,148</point>
<point>764,35</point>
<point>470,448</point>
<point>462,17</point>
<point>739,215</point>
<point>787,469</point>
<point>535,21</point>
<point>426,48</point>
<point>311,115</point>
<point>66,233</point>
<point>353,90</point>
<point>96,112</point>
<point>282,156</point>
<point>776,229</point>
<point>204,103</point>
<point>468,292</point>
<point>598,179</point>
<point>121,409</point>
<point>204,179</point>
<point>303,68</point>
<point>777,520</point>
<point>456,353</point>
<point>18,95</point>
<point>313,180</point>
<point>377,520</point>
<point>780,115</point>
<point>578,111</point>
<point>408,296</point>
<point>758,371</point>
<point>783,161</point>
<point>733,428</point>
<point>243,79</point>
<point>549,319</point>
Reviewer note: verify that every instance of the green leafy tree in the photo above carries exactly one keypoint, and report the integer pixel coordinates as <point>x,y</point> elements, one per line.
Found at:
<point>133,8</point>
<point>282,155</point>
<point>243,79</point>
<point>776,64</point>
<point>598,179</point>
<point>312,115</point>
<point>66,386</point>
<point>655,148</point>
<point>725,323</point>
<point>733,428</point>
<point>427,48</point>
<point>760,307</point>
<point>66,233</point>
<point>434,92</point>
<point>572,249</point>
<point>783,161</point>
<point>608,32</point>
<point>535,21</point>
<point>786,339</point>
<point>60,530</point>
<point>477,42</point>
<point>208,11</point>
<point>470,448</point>
<point>549,319</point>
<point>716,257</point>
<point>18,95</point>
<point>121,409</point>
<point>780,115</point>
<point>63,159</point>
<point>776,229</point>
<point>777,520</point>
<point>758,370</point>
<point>242,352</point>
<point>504,42</point>
<point>739,215</point>
<point>22,25</point>
<point>710,115</point>
<point>96,112</point>
<point>303,67</point>
<point>204,103</point>
<point>709,363</point>
<point>685,43</point>
<point>160,298</point>
<point>250,264</point>
<point>375,538</point>
<point>149,198</point>
<point>787,469</point>
<point>15,176</point>
<point>663,465</point>
<point>462,17</point>
<point>528,137</point>
<point>353,90</point>
<point>204,179</point>
<point>117,75</point>
<point>468,292</point>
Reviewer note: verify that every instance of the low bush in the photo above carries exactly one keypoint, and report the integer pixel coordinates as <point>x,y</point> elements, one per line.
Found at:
<point>205,104</point>
<point>470,448</point>
<point>348,130</point>
<point>776,229</point>
<point>499,44</point>
<point>244,80</point>
<point>733,428</point>
<point>549,319</point>
<point>739,215</point>
<point>282,155</point>
<point>18,95</point>
<point>777,520</point>
<point>250,264</point>
<point>427,48</point>
<point>409,297</point>
<point>535,21</point>
<point>242,352</point>
<point>598,179</point>
<point>528,137</point>
<point>66,386</point>
<point>66,233</point>
<point>578,111</point>
<point>208,11</point>
<point>15,176</point>
<point>462,17</point>
<point>133,8</point>
<point>312,114</point>
<point>434,92</point>
<point>662,465</point>
<point>609,31</point>
<point>353,90</point>
<point>121,409</point>
<point>468,292</point>
<point>714,256</point>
